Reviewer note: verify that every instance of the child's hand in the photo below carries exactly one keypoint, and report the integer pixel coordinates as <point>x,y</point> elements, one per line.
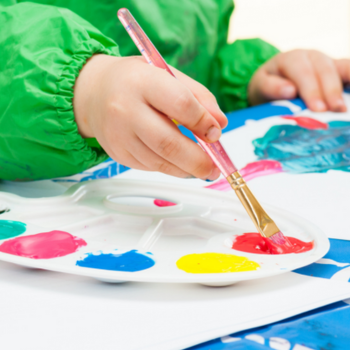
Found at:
<point>315,77</point>
<point>125,104</point>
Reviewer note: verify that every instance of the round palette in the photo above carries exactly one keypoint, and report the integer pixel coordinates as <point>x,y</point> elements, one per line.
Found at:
<point>113,230</point>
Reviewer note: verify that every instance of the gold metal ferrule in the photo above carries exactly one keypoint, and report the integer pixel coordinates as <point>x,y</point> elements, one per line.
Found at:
<point>265,225</point>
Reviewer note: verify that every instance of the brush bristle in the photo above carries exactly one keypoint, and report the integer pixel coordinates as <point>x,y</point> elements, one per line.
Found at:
<point>279,238</point>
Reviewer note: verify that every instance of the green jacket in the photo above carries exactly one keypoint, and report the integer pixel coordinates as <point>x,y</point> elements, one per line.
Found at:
<point>44,45</point>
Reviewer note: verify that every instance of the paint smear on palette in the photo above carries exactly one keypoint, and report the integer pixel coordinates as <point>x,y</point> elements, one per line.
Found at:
<point>163,203</point>
<point>9,229</point>
<point>46,245</point>
<point>254,243</point>
<point>131,261</point>
<point>215,263</point>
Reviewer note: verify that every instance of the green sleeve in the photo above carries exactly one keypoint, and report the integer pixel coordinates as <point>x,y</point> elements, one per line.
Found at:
<point>43,48</point>
<point>233,67</point>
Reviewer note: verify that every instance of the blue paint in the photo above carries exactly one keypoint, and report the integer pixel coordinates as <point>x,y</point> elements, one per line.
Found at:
<point>320,329</point>
<point>339,252</point>
<point>131,261</point>
<point>238,118</point>
<point>301,150</point>
<point>9,228</point>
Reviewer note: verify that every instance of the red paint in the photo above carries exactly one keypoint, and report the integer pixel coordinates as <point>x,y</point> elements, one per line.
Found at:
<point>254,243</point>
<point>46,245</point>
<point>163,203</point>
<point>307,122</point>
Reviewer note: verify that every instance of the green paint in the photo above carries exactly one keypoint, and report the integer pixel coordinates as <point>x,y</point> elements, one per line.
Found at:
<point>9,229</point>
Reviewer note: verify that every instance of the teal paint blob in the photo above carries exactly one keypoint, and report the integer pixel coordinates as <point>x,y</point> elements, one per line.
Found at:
<point>302,150</point>
<point>131,261</point>
<point>9,229</point>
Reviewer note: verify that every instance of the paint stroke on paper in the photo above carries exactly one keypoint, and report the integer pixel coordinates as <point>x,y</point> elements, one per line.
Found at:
<point>307,122</point>
<point>253,242</point>
<point>46,245</point>
<point>301,150</point>
<point>9,228</point>
<point>131,261</point>
<point>215,263</point>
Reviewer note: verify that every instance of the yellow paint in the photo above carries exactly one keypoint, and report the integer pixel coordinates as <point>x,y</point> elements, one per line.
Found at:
<point>215,263</point>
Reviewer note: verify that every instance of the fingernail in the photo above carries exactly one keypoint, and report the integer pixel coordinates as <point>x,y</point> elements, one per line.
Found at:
<point>339,105</point>
<point>207,180</point>
<point>213,134</point>
<point>287,91</point>
<point>319,105</point>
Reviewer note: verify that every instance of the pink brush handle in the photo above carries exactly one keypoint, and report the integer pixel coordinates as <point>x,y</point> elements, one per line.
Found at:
<point>215,150</point>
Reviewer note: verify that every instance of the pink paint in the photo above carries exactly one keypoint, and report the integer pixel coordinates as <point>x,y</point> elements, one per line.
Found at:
<point>307,122</point>
<point>163,203</point>
<point>249,172</point>
<point>260,168</point>
<point>46,245</point>
<point>253,242</point>
<point>221,185</point>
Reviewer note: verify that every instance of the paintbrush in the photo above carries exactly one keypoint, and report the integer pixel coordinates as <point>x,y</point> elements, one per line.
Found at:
<point>264,224</point>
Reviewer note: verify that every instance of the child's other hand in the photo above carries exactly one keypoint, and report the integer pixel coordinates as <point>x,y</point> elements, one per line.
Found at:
<point>125,104</point>
<point>315,77</point>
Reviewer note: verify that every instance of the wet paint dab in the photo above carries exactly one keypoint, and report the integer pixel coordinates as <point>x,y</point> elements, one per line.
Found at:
<point>253,242</point>
<point>215,263</point>
<point>9,229</point>
<point>46,245</point>
<point>131,261</point>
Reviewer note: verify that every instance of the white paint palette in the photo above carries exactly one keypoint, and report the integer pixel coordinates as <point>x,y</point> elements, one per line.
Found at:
<point>118,216</point>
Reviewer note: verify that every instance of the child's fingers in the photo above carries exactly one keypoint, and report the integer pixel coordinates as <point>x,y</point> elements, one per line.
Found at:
<point>330,81</point>
<point>164,138</point>
<point>297,67</point>
<point>152,161</point>
<point>268,87</point>
<point>343,68</point>
<point>172,98</point>
<point>204,97</point>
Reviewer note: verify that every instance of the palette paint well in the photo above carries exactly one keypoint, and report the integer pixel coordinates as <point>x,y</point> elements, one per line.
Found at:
<point>215,263</point>
<point>46,245</point>
<point>254,243</point>
<point>131,261</point>
<point>9,228</point>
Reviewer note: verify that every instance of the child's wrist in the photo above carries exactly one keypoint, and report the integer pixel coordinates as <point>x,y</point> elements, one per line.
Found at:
<point>86,91</point>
